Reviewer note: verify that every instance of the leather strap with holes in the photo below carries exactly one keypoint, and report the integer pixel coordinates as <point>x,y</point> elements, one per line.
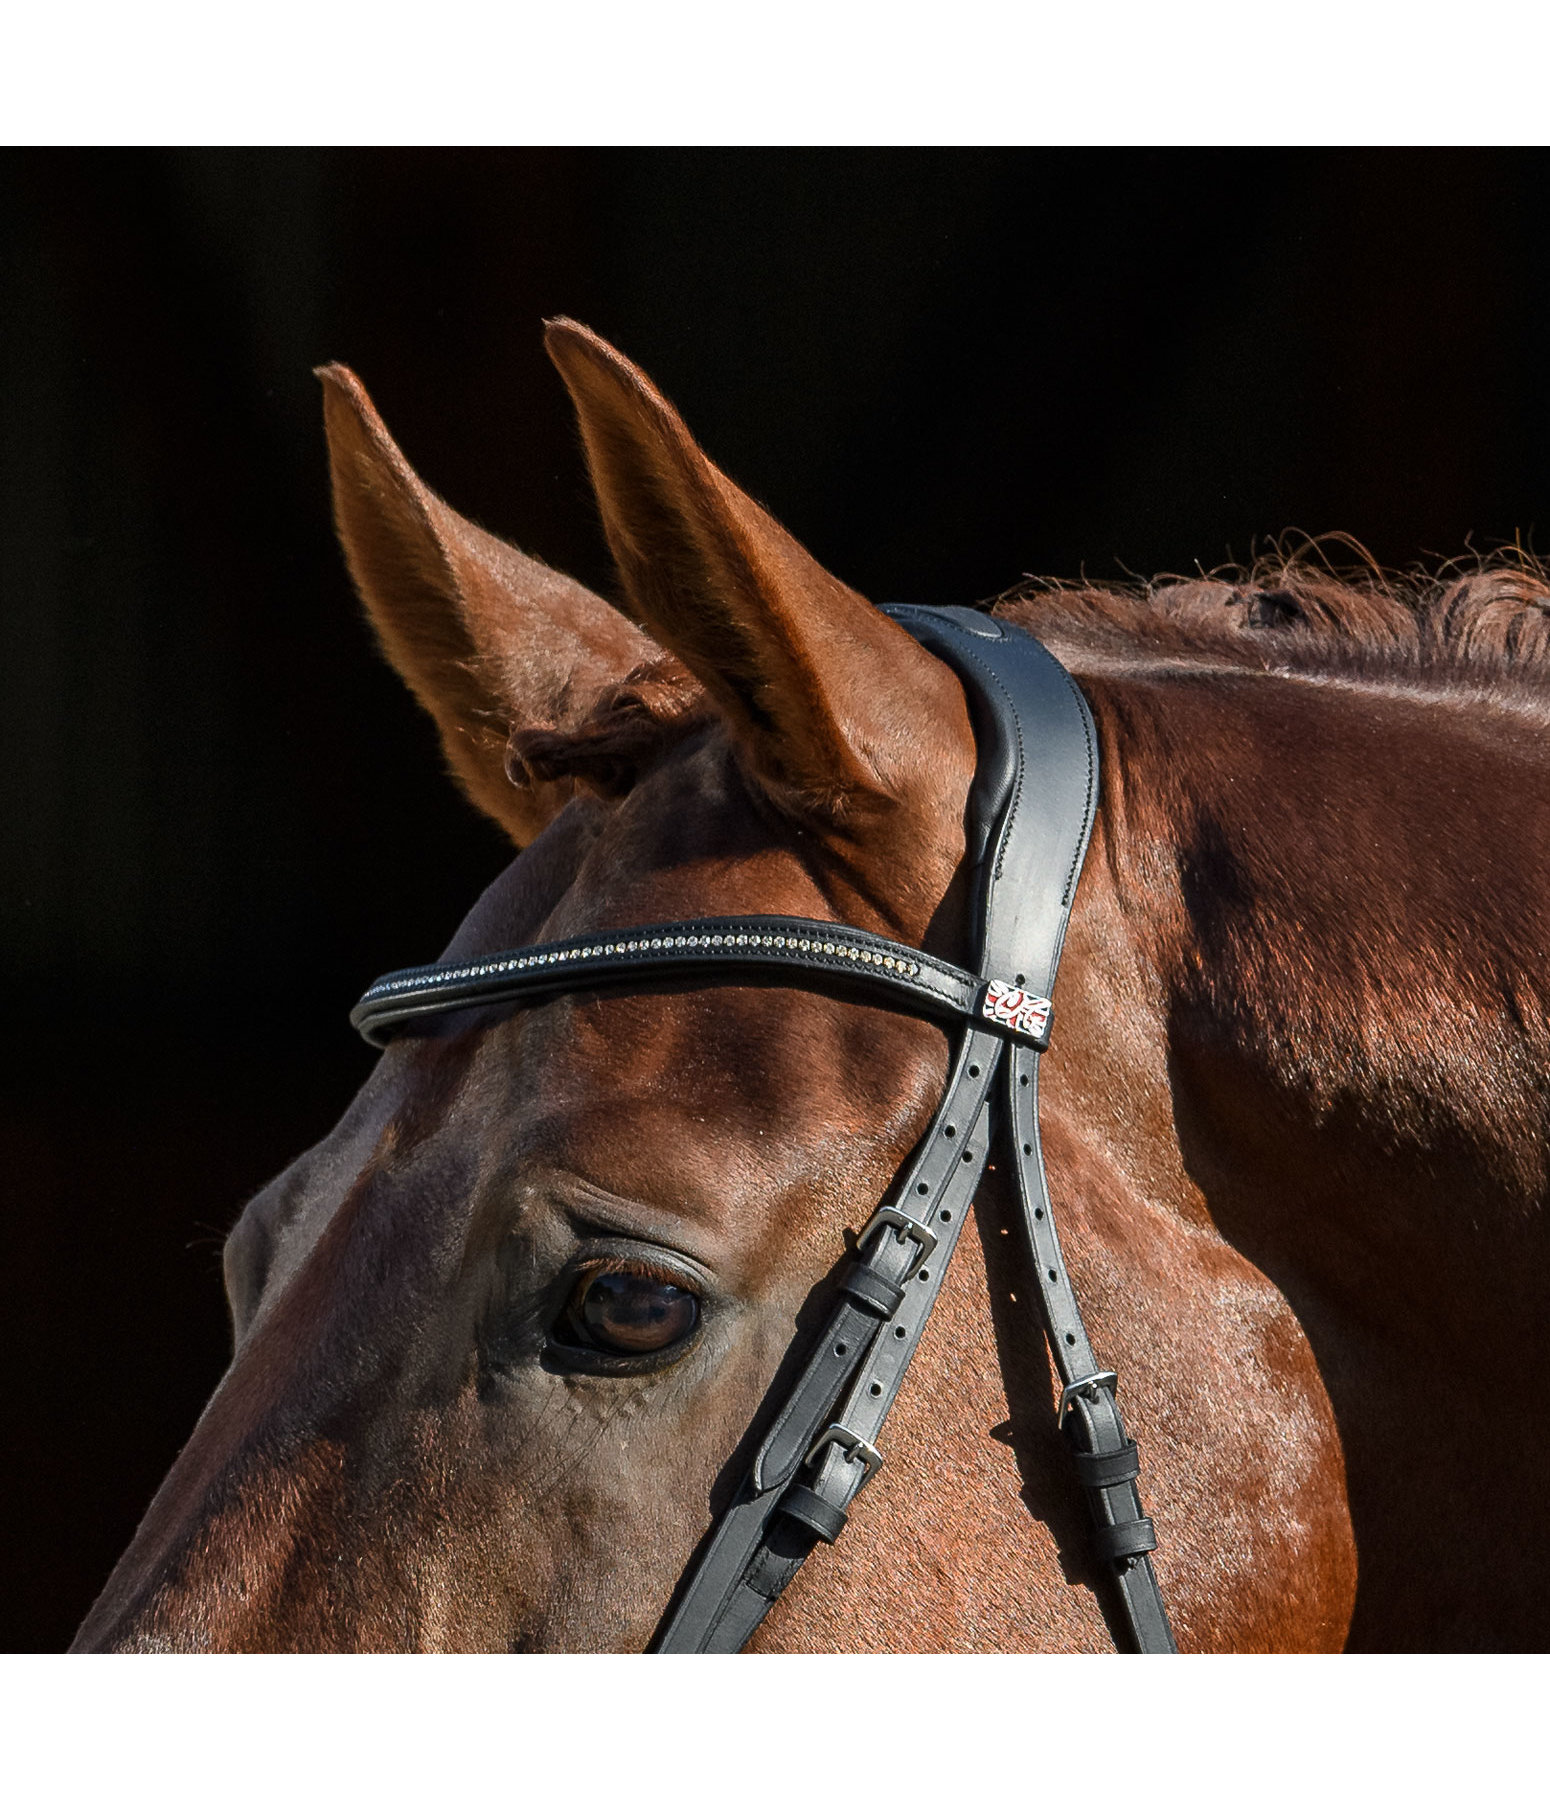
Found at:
<point>1031,815</point>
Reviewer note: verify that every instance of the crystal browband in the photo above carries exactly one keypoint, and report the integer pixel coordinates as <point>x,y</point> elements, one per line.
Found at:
<point>773,948</point>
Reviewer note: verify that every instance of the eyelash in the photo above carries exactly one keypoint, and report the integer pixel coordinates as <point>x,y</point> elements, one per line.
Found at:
<point>581,1280</point>
<point>631,1265</point>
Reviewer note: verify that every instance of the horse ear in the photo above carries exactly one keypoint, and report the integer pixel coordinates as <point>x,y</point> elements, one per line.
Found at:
<point>488,640</point>
<point>832,702</point>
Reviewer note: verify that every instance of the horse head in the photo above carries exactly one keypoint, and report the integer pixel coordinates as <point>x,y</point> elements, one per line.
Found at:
<point>507,1340</point>
<point>500,1337</point>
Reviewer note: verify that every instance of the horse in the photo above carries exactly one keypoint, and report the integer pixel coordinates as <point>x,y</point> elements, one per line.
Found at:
<point>504,1339</point>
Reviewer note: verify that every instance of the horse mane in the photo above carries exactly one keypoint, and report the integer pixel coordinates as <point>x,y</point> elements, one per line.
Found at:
<point>1486,616</point>
<point>1297,608</point>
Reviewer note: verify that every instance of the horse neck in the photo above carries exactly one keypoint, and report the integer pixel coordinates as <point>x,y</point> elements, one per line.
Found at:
<point>1344,883</point>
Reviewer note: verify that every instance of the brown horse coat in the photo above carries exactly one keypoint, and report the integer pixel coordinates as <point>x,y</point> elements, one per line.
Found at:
<point>1295,1116</point>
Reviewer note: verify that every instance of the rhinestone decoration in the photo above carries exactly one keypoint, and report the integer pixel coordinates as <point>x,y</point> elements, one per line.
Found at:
<point>1021,1013</point>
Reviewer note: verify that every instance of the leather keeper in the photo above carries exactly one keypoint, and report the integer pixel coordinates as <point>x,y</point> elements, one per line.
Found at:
<point>801,1503</point>
<point>875,1292</point>
<point>1106,1469</point>
<point>1129,1537</point>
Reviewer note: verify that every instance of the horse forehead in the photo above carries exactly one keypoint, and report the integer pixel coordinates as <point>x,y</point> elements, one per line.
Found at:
<point>709,1084</point>
<point>714,1108</point>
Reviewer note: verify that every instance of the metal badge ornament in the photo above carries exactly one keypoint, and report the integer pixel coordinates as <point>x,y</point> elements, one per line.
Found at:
<point>1018,1010</point>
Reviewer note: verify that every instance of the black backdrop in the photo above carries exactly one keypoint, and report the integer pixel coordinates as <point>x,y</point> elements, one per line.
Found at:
<point>220,813</point>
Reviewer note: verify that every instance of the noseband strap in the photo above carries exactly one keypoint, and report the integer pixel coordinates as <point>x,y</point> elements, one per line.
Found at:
<point>1031,814</point>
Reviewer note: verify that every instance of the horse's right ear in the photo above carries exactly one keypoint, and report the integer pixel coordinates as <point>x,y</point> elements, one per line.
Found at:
<point>842,720</point>
<point>489,640</point>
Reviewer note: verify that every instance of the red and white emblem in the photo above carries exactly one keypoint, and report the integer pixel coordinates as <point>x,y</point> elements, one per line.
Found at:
<point>1016,1008</point>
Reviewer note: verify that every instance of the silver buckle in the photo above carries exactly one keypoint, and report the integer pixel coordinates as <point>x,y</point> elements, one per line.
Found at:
<point>924,1236</point>
<point>856,1448</point>
<point>1085,1389</point>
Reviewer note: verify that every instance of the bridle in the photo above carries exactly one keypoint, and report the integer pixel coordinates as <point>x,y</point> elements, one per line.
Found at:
<point>1031,814</point>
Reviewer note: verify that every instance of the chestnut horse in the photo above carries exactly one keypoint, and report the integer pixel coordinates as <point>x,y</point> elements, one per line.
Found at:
<point>504,1339</point>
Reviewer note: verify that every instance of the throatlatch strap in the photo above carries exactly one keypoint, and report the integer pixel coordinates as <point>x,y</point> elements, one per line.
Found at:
<point>1089,1409</point>
<point>1031,815</point>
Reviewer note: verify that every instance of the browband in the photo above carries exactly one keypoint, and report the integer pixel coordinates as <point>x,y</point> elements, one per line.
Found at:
<point>1032,809</point>
<point>771,947</point>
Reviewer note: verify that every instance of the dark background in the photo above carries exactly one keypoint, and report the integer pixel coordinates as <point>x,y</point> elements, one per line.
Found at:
<point>221,815</point>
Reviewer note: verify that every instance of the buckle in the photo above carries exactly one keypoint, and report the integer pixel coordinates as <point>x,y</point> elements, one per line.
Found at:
<point>924,1236</point>
<point>856,1448</point>
<point>1084,1390</point>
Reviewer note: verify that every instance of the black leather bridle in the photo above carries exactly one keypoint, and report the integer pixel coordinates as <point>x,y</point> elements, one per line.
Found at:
<point>1031,814</point>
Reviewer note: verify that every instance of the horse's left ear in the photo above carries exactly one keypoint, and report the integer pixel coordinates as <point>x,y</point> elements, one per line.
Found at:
<point>840,714</point>
<point>489,640</point>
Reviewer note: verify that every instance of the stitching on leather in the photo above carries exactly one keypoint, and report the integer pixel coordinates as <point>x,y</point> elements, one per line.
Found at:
<point>934,980</point>
<point>1027,644</point>
<point>875,952</point>
<point>1084,713</point>
<point>843,954</point>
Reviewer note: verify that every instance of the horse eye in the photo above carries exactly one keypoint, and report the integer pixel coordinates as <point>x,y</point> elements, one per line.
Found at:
<point>631,1314</point>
